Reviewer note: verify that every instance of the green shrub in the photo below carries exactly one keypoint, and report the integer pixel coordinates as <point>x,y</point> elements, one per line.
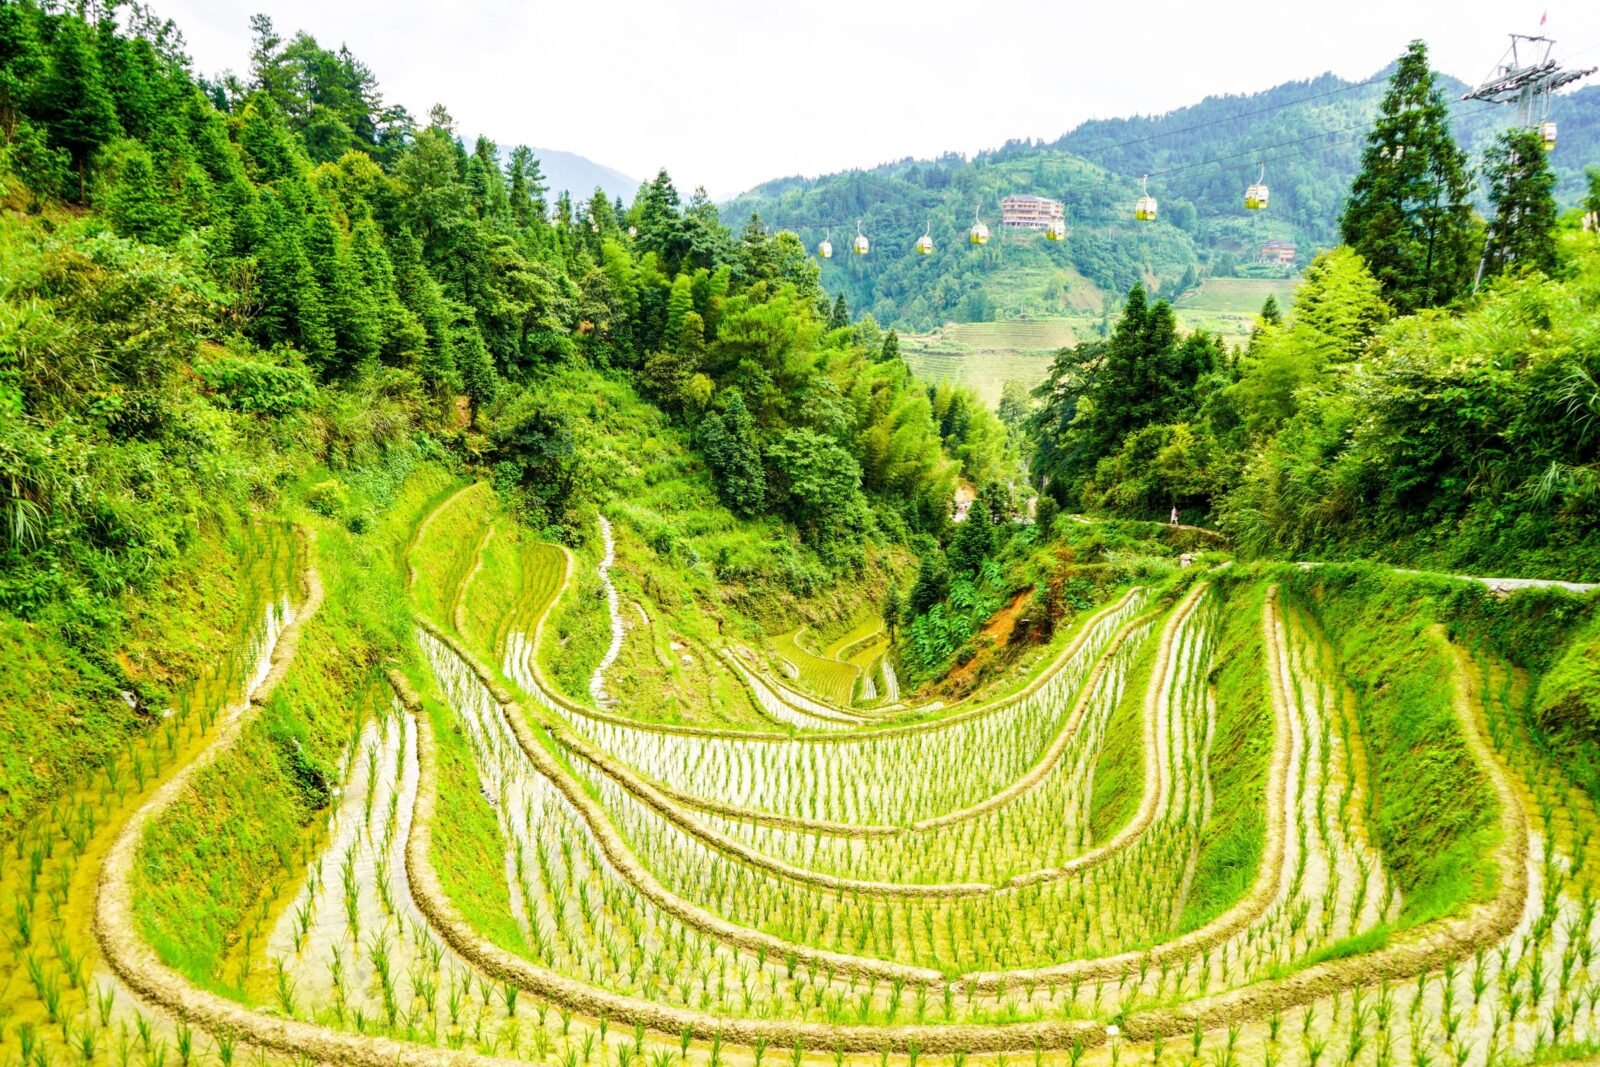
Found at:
<point>256,387</point>
<point>327,498</point>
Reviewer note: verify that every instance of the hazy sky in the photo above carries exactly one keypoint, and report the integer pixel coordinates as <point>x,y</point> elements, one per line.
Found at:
<point>729,93</point>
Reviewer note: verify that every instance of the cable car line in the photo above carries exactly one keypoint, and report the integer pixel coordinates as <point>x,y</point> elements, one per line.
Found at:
<point>1146,208</point>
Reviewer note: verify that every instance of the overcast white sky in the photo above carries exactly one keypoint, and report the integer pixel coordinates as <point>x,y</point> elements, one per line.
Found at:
<point>729,93</point>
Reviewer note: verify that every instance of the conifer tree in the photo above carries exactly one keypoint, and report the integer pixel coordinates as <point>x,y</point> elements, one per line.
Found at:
<point>1409,213</point>
<point>525,186</point>
<point>840,317</point>
<point>21,60</point>
<point>661,228</point>
<point>728,440</point>
<point>292,309</point>
<point>973,541</point>
<point>74,98</point>
<point>135,204</point>
<point>930,585</point>
<point>1522,231</point>
<point>756,260</point>
<point>1271,314</point>
<point>269,145</point>
<point>478,377</point>
<point>679,304</point>
<point>890,352</point>
<point>1100,392</point>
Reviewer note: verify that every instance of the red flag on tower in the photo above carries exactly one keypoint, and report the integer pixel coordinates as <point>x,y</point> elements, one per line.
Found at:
<point>1544,16</point>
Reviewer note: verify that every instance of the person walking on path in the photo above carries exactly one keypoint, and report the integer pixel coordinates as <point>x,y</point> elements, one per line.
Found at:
<point>1174,514</point>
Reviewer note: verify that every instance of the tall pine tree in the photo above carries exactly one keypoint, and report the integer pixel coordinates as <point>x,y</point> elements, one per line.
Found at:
<point>1522,231</point>
<point>21,59</point>
<point>1409,213</point>
<point>840,317</point>
<point>74,98</point>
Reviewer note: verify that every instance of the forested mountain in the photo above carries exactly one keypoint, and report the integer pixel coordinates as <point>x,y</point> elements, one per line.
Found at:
<point>1200,158</point>
<point>1015,273</point>
<point>1319,125</point>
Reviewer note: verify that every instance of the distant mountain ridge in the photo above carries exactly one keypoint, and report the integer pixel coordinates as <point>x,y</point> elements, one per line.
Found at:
<point>1200,157</point>
<point>580,175</point>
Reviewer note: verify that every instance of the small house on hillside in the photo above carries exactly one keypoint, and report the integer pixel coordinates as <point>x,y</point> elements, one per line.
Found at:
<point>1278,252</point>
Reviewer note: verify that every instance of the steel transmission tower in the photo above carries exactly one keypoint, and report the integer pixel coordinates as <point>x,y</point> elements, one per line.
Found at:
<point>1526,77</point>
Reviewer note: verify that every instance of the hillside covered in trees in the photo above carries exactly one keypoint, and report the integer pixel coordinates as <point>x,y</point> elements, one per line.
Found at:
<point>1201,157</point>
<point>210,288</point>
<point>1415,404</point>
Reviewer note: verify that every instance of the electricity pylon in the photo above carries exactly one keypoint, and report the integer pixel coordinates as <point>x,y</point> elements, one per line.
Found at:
<point>1526,77</point>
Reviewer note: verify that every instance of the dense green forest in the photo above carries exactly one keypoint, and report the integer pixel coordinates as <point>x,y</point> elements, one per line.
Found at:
<point>1308,133</point>
<point>1404,410</point>
<point>212,289</point>
<point>1104,251</point>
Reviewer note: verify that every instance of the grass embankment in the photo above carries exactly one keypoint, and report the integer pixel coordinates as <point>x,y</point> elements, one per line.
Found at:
<point>1120,767</point>
<point>1433,812</point>
<point>445,547</point>
<point>1231,840</point>
<point>1119,771</point>
<point>76,716</point>
<point>1233,837</point>
<point>213,869</point>
<point>471,858</point>
<point>49,878</point>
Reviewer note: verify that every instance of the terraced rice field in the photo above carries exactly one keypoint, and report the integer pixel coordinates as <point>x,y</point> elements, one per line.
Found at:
<point>1229,306</point>
<point>848,670</point>
<point>973,355</point>
<point>1183,842</point>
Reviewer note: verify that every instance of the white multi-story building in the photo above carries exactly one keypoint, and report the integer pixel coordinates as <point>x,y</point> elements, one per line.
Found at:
<point>1023,211</point>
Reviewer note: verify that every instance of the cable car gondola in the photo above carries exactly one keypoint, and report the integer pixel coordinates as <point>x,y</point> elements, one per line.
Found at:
<point>979,234</point>
<point>825,249</point>
<point>1144,209</point>
<point>1547,135</point>
<point>925,242</point>
<point>1255,197</point>
<point>1056,231</point>
<point>860,246</point>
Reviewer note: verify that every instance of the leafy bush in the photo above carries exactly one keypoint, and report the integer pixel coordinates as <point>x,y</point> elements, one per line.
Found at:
<point>327,498</point>
<point>257,387</point>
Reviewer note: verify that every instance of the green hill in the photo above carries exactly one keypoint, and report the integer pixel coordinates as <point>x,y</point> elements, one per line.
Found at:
<point>1201,158</point>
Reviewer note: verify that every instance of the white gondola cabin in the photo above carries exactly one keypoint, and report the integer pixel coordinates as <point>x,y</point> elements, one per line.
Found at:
<point>825,249</point>
<point>860,246</point>
<point>1056,231</point>
<point>979,234</point>
<point>1547,135</point>
<point>1144,209</point>
<point>1255,196</point>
